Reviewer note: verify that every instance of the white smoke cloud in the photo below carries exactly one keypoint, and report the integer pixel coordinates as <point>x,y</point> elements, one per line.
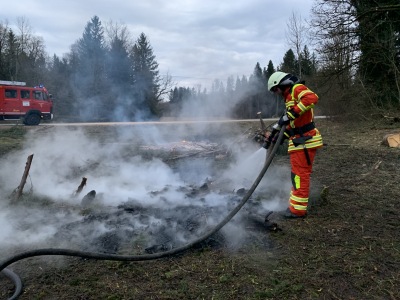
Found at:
<point>134,196</point>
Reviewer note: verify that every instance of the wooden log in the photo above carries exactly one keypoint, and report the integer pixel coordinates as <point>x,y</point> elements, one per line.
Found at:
<point>20,188</point>
<point>392,140</point>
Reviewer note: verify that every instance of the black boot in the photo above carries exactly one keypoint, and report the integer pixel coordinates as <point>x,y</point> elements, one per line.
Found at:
<point>289,215</point>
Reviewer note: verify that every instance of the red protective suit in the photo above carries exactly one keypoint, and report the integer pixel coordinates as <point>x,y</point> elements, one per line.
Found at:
<point>304,139</point>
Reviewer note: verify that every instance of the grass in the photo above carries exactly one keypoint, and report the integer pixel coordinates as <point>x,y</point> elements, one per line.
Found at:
<point>11,139</point>
<point>347,248</point>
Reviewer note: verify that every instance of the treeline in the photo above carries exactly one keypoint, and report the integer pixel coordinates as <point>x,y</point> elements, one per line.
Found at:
<point>108,76</point>
<point>105,77</point>
<point>240,97</point>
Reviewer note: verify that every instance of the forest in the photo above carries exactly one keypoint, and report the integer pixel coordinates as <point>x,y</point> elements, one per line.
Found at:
<point>348,52</point>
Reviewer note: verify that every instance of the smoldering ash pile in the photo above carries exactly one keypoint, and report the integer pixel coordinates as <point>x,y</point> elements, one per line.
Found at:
<point>135,199</point>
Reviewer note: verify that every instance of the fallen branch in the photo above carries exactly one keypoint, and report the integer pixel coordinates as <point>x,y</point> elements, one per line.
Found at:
<point>203,153</point>
<point>375,167</point>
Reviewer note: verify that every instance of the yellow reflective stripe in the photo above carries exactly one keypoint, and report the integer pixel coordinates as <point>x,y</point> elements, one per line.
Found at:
<point>314,142</point>
<point>298,199</point>
<point>297,100</point>
<point>304,108</point>
<point>293,88</point>
<point>314,145</point>
<point>302,93</point>
<point>297,181</point>
<point>315,138</point>
<point>299,207</point>
<point>300,147</point>
<point>290,115</point>
<point>289,104</point>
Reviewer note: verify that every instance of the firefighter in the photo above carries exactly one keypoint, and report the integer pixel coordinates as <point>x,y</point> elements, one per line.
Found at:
<point>304,137</point>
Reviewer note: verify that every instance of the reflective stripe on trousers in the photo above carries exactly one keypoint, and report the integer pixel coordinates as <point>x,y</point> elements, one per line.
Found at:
<point>301,172</point>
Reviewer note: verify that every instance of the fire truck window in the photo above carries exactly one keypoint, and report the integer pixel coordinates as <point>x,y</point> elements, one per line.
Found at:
<point>38,95</point>
<point>11,93</point>
<point>25,94</point>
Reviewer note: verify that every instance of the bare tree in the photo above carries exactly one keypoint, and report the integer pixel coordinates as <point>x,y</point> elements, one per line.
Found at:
<point>115,30</point>
<point>297,36</point>
<point>358,40</point>
<point>25,33</point>
<point>165,85</point>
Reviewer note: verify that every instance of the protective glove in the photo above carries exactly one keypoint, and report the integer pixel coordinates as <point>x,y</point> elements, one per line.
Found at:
<point>286,136</point>
<point>284,120</point>
<point>287,117</point>
<point>292,114</point>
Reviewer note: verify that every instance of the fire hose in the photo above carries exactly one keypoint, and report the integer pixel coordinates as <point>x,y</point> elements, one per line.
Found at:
<point>114,257</point>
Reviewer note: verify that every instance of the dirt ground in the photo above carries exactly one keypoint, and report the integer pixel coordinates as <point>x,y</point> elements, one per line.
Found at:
<point>347,248</point>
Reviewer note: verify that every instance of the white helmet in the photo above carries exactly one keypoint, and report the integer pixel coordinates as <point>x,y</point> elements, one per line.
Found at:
<point>279,78</point>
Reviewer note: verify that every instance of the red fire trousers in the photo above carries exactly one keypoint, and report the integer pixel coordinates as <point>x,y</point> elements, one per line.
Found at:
<point>301,171</point>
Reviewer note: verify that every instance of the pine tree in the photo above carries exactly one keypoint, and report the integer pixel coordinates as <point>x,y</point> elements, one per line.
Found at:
<point>307,63</point>
<point>57,82</point>
<point>11,57</point>
<point>289,64</point>
<point>145,78</point>
<point>119,76</point>
<point>270,69</point>
<point>90,76</point>
<point>119,71</point>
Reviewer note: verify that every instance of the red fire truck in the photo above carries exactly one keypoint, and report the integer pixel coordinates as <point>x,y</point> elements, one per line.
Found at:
<point>30,104</point>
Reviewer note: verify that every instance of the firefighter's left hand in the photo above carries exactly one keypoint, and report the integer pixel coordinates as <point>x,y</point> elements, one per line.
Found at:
<point>286,136</point>
<point>284,120</point>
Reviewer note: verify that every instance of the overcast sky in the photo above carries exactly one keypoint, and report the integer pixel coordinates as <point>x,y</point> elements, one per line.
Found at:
<point>194,41</point>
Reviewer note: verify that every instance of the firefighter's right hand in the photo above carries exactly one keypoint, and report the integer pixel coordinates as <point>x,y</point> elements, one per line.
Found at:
<point>269,138</point>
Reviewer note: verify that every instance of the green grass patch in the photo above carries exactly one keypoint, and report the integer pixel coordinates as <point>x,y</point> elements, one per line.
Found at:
<point>11,139</point>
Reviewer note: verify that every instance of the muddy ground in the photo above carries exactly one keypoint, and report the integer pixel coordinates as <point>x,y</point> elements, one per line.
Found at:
<point>347,248</point>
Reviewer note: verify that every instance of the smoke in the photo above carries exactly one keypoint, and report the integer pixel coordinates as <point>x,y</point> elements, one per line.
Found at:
<point>224,102</point>
<point>210,107</point>
<point>140,201</point>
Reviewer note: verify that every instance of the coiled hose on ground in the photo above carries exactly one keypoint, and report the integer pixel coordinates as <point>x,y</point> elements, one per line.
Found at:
<point>100,256</point>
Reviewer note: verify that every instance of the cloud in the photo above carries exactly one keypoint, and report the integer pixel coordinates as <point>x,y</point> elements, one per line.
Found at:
<point>196,41</point>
